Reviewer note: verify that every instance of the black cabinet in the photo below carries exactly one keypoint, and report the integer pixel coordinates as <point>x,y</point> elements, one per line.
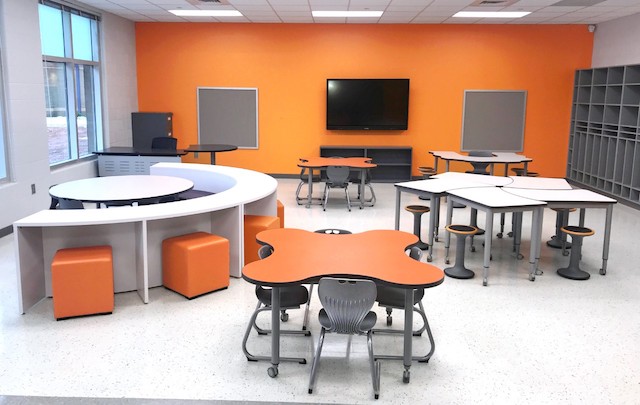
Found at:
<point>394,162</point>
<point>148,125</point>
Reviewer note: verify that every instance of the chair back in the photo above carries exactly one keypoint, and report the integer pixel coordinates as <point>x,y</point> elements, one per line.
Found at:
<point>66,204</point>
<point>338,176</point>
<point>164,143</point>
<point>415,253</point>
<point>346,302</point>
<point>265,251</point>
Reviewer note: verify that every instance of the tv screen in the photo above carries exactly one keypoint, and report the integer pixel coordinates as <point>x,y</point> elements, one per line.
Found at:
<point>367,104</point>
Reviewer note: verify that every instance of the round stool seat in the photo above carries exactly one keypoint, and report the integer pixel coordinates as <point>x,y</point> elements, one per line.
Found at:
<point>577,230</point>
<point>519,171</point>
<point>333,231</point>
<point>462,229</point>
<point>424,170</point>
<point>417,209</point>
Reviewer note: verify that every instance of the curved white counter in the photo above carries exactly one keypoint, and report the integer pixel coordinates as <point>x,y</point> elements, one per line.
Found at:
<point>136,233</point>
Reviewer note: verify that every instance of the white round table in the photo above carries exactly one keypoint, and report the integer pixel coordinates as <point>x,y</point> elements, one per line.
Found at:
<point>121,189</point>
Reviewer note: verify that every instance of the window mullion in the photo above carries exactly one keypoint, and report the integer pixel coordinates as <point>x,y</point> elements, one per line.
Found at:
<point>73,111</point>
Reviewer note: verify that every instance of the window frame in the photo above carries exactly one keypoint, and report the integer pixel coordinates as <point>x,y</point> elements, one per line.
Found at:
<point>72,90</point>
<point>4,139</point>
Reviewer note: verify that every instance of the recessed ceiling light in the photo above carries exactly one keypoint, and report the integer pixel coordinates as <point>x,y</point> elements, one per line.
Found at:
<point>206,13</point>
<point>347,13</point>
<point>491,14</point>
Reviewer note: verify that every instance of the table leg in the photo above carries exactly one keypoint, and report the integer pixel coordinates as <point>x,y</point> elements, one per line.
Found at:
<point>446,165</point>
<point>435,164</point>
<point>432,224</point>
<point>275,332</point>
<point>363,174</point>
<point>310,187</point>
<point>536,242</point>
<point>447,237</point>
<point>397,225</point>
<point>487,246</point>
<point>607,236</point>
<point>213,158</point>
<point>408,334</point>
<point>517,234</point>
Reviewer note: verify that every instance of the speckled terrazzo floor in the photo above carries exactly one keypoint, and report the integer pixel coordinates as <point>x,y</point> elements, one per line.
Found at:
<point>553,341</point>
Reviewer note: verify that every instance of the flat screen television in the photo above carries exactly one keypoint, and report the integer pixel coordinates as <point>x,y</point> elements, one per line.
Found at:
<point>368,104</point>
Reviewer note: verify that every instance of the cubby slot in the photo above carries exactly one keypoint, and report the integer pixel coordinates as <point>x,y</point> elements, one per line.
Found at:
<point>635,194</point>
<point>615,75</point>
<point>604,153</point>
<point>390,173</point>
<point>585,77</point>
<point>342,152</point>
<point>617,189</point>
<point>611,114</point>
<point>610,161</point>
<point>625,192</point>
<point>627,133</point>
<point>629,116</point>
<point>584,95</point>
<point>635,180</point>
<point>596,113</point>
<point>613,95</point>
<point>600,183</point>
<point>632,74</point>
<point>608,186</point>
<point>610,130</point>
<point>394,162</point>
<point>390,156</point>
<point>600,76</point>
<point>628,162</point>
<point>597,94</point>
<point>588,161</point>
<point>579,157</point>
<point>631,95</point>
<point>617,176</point>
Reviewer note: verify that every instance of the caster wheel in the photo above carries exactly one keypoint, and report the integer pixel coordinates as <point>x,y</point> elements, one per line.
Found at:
<point>437,239</point>
<point>389,321</point>
<point>429,259</point>
<point>473,248</point>
<point>262,333</point>
<point>272,371</point>
<point>423,361</point>
<point>565,253</point>
<point>303,361</point>
<point>484,282</point>
<point>304,328</point>
<point>406,377</point>
<point>603,272</point>
<point>520,256</point>
<point>499,235</point>
<point>248,359</point>
<point>377,396</point>
<point>446,261</point>
<point>532,278</point>
<point>310,391</point>
<point>510,234</point>
<point>284,317</point>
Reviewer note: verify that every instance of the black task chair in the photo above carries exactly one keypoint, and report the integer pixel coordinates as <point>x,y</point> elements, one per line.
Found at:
<point>164,143</point>
<point>67,204</point>
<point>393,298</point>
<point>337,177</point>
<point>346,309</point>
<point>290,298</point>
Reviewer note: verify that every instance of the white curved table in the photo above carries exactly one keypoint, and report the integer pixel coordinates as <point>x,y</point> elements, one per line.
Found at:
<point>124,189</point>
<point>136,233</point>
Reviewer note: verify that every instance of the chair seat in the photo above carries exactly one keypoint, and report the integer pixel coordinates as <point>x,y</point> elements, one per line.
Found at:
<point>290,297</point>
<point>394,297</point>
<point>367,324</point>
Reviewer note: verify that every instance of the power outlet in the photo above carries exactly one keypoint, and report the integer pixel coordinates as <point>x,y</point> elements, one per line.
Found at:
<point>33,189</point>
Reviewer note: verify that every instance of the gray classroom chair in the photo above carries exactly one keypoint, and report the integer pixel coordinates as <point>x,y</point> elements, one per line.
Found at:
<point>304,179</point>
<point>347,310</point>
<point>393,298</point>
<point>290,298</point>
<point>337,177</point>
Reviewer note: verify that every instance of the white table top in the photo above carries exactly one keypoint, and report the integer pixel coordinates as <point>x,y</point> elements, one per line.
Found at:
<point>539,183</point>
<point>498,157</point>
<point>120,188</point>
<point>576,196</point>
<point>474,178</point>
<point>494,197</point>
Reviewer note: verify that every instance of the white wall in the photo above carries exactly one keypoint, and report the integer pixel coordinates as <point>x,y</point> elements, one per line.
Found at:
<point>26,126</point>
<point>616,42</point>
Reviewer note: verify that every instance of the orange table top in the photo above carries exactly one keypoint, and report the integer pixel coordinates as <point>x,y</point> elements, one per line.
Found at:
<point>301,256</point>
<point>356,162</point>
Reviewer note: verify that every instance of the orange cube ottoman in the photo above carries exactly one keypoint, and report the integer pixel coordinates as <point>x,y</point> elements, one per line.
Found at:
<point>195,264</point>
<point>281,213</point>
<point>82,281</point>
<point>254,224</point>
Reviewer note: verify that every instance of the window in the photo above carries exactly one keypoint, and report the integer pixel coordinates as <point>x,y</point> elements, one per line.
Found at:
<point>71,64</point>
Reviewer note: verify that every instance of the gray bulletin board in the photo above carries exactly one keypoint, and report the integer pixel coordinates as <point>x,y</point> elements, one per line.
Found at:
<point>493,120</point>
<point>228,115</point>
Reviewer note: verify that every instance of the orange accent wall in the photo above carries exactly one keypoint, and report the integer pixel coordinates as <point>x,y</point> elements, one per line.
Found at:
<point>289,64</point>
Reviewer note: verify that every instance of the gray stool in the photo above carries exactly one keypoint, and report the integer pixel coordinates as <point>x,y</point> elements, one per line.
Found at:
<point>417,211</point>
<point>574,272</point>
<point>458,270</point>
<point>559,240</point>
<point>519,171</point>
